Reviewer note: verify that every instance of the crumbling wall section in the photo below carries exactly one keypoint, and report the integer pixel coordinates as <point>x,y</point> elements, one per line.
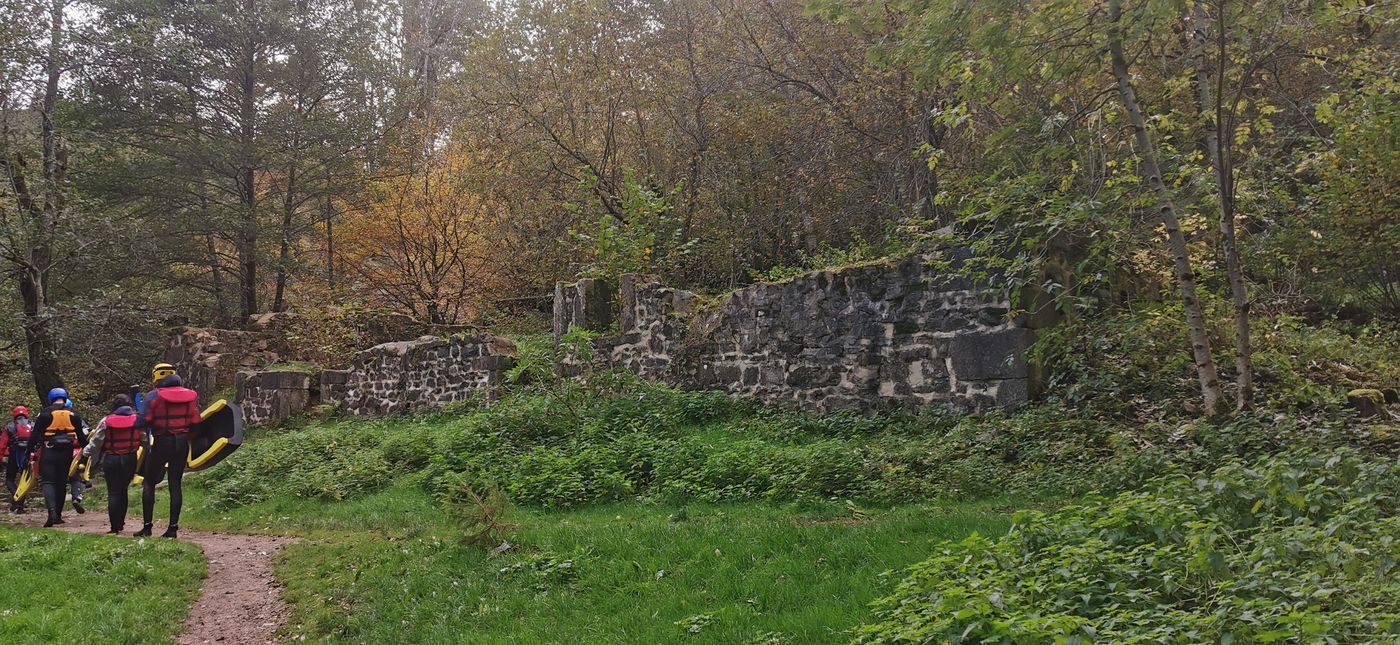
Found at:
<point>422,374</point>
<point>876,336</point>
<point>267,397</point>
<point>209,360</point>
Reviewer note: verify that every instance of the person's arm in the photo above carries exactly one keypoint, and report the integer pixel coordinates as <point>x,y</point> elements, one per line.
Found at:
<point>194,413</point>
<point>80,429</point>
<point>36,433</point>
<point>95,440</point>
<point>144,416</point>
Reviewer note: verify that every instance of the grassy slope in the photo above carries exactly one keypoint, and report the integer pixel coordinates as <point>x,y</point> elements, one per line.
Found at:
<point>63,588</point>
<point>386,568</point>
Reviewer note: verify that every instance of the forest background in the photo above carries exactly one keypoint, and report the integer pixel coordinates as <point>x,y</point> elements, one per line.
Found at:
<point>1227,166</point>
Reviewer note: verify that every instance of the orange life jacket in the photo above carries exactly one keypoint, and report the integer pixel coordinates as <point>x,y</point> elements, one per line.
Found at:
<point>61,433</point>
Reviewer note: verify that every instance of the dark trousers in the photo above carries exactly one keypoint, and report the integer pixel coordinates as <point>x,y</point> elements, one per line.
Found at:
<point>118,470</point>
<point>13,468</point>
<point>53,477</point>
<point>168,452</point>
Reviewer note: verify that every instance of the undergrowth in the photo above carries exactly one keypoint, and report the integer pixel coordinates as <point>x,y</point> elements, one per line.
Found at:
<point>1136,365</point>
<point>1301,548</point>
<point>617,437</point>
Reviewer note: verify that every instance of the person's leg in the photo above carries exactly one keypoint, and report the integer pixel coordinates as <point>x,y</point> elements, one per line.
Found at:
<point>155,471</point>
<point>76,488</point>
<point>53,475</point>
<point>11,482</point>
<point>179,451</point>
<point>118,471</point>
<point>19,465</point>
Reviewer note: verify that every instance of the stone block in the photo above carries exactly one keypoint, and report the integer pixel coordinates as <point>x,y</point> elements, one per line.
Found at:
<point>991,355</point>
<point>1012,393</point>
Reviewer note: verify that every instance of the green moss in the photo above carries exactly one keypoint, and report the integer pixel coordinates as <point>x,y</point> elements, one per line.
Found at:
<point>293,366</point>
<point>1374,396</point>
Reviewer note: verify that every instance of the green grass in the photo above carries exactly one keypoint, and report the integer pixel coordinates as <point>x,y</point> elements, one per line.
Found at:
<point>387,568</point>
<point>64,588</point>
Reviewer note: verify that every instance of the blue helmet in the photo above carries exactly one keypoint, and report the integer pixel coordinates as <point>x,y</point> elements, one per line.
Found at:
<point>58,393</point>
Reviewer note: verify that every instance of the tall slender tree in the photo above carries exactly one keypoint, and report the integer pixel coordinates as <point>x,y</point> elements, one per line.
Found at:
<point>33,231</point>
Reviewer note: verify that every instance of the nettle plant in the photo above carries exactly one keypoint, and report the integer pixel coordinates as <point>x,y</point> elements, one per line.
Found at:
<point>1299,548</point>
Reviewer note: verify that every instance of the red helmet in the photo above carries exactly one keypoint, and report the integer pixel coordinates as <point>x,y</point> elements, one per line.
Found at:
<point>19,411</point>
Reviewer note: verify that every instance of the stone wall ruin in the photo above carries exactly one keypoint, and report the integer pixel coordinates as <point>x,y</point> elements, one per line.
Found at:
<point>271,396</point>
<point>876,336</point>
<point>422,374</point>
<point>871,337</point>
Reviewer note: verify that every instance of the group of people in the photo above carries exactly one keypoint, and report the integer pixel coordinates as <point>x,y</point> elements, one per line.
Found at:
<point>149,434</point>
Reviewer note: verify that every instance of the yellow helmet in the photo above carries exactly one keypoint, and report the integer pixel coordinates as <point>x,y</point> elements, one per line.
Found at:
<point>161,370</point>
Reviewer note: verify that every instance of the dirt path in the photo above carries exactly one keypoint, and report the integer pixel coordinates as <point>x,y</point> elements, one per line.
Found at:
<point>240,601</point>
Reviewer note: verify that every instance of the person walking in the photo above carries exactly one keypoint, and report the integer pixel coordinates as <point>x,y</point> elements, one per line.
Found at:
<point>58,433</point>
<point>78,483</point>
<point>171,411</point>
<point>114,444</point>
<point>14,450</point>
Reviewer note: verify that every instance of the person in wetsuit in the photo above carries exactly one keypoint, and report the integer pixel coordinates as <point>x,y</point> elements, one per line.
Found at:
<point>77,484</point>
<point>14,449</point>
<point>58,433</point>
<point>115,442</point>
<point>171,410</point>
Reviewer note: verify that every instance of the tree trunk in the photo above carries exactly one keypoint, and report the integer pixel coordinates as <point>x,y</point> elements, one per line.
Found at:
<point>1218,143</point>
<point>217,276</point>
<point>247,114</point>
<point>34,276</point>
<point>38,333</point>
<point>1186,279</point>
<point>330,246</point>
<point>284,252</point>
<point>216,270</point>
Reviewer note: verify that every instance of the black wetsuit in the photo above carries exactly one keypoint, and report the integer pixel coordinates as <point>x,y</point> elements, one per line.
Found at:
<point>118,441</point>
<point>56,445</point>
<point>168,453</point>
<point>169,413</point>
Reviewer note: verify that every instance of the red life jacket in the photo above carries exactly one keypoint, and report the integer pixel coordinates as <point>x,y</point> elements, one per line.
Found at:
<point>22,430</point>
<point>173,410</point>
<point>123,437</point>
<point>18,437</point>
<point>16,440</point>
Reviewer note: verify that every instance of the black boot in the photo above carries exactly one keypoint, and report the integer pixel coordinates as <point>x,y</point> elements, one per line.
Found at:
<point>53,502</point>
<point>144,532</point>
<point>116,530</point>
<point>170,531</point>
<point>78,507</point>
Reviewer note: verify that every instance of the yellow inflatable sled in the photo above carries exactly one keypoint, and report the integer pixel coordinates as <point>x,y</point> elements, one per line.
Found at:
<point>29,479</point>
<point>215,437</point>
<point>26,482</point>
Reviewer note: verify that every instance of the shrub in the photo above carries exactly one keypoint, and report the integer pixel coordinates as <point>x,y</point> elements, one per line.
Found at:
<point>323,462</point>
<point>1136,364</point>
<point>1301,545</point>
<point>574,444</point>
<point>479,516</point>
